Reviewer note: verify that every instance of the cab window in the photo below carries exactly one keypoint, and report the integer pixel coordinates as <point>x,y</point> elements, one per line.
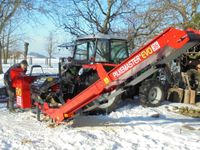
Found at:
<point>84,50</point>
<point>102,52</point>
<point>119,50</point>
<point>81,51</point>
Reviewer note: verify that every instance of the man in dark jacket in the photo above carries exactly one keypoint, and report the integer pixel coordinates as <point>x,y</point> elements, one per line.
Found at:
<point>10,78</point>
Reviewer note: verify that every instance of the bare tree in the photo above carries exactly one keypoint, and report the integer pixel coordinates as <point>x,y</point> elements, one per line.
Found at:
<point>156,15</point>
<point>22,10</point>
<point>7,45</point>
<point>51,46</point>
<point>9,39</point>
<point>90,16</point>
<point>178,13</point>
<point>141,25</point>
<point>195,22</point>
<point>7,11</point>
<point>2,40</point>
<point>137,19</point>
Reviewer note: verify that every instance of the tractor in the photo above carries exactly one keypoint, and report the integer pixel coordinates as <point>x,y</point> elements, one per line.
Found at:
<point>108,50</point>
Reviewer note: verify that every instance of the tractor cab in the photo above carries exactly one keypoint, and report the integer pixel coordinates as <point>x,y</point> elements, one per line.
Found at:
<point>100,48</point>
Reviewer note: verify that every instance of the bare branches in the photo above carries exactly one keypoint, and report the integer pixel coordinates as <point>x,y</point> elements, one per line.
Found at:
<point>50,48</point>
<point>7,10</point>
<point>94,15</point>
<point>100,7</point>
<point>180,13</point>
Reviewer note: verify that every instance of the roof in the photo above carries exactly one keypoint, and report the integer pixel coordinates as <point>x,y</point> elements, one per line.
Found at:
<point>66,45</point>
<point>101,36</point>
<point>94,36</point>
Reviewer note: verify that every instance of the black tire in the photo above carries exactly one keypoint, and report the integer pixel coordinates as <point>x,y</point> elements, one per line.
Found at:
<point>112,107</point>
<point>107,107</point>
<point>151,93</point>
<point>131,92</point>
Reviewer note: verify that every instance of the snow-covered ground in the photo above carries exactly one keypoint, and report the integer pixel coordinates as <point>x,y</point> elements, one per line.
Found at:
<point>130,127</point>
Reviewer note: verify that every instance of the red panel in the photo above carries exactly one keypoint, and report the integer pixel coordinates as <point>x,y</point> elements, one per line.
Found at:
<point>23,96</point>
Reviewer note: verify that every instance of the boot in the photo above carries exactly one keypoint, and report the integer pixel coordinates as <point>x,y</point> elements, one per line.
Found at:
<point>10,105</point>
<point>12,110</point>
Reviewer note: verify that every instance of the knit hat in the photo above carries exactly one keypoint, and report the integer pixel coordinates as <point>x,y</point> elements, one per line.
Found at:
<point>24,62</point>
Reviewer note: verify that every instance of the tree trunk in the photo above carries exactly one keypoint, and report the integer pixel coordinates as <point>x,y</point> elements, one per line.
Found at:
<point>1,68</point>
<point>7,46</point>
<point>3,55</point>
<point>6,56</point>
<point>14,59</point>
<point>50,61</point>
<point>26,44</point>
<point>3,47</point>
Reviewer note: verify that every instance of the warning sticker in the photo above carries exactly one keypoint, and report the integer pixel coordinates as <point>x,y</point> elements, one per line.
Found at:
<point>19,100</point>
<point>155,46</point>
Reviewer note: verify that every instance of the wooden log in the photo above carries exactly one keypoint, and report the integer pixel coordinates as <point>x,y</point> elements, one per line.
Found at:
<point>192,97</point>
<point>186,99</point>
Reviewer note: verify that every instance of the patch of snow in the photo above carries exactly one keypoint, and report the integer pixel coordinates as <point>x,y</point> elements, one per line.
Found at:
<point>128,128</point>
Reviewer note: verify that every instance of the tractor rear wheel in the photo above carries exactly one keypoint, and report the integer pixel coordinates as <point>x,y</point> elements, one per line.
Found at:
<point>104,105</point>
<point>151,93</point>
